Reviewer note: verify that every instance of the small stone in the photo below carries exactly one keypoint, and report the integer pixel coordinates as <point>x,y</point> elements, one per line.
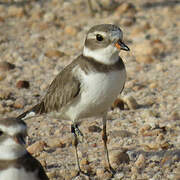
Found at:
<point>144,48</point>
<point>84,161</point>
<point>159,46</point>
<point>74,173</point>
<point>174,116</point>
<point>50,53</point>
<point>94,128</point>
<point>4,94</point>
<point>131,102</point>
<point>36,15</point>
<point>51,174</point>
<point>128,21</point>
<point>102,174</point>
<point>160,137</point>
<point>165,145</point>
<point>134,170</point>
<point>2,19</point>
<point>99,172</point>
<point>37,147</point>
<point>140,162</point>
<point>144,59</point>
<point>14,11</point>
<point>144,128</point>
<point>119,176</point>
<point>9,102</point>
<point>2,76</point>
<point>153,85</point>
<point>70,30</point>
<point>55,142</point>
<point>19,103</point>
<point>118,157</point>
<point>151,147</point>
<point>6,66</point>
<point>121,133</point>
<point>22,84</point>
<point>125,8</point>
<point>49,17</point>
<point>118,103</point>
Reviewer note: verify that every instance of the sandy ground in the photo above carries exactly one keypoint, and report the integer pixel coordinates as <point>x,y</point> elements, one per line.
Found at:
<point>39,38</point>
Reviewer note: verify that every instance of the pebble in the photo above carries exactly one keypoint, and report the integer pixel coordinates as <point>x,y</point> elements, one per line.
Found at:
<point>2,76</point>
<point>19,103</point>
<point>125,8</point>
<point>36,147</point>
<point>22,84</point>
<point>56,143</point>
<point>145,59</point>
<point>140,162</point>
<point>2,19</point>
<point>118,157</point>
<point>119,176</point>
<point>49,17</point>
<point>99,172</point>
<point>174,116</point>
<point>102,174</point>
<point>121,133</point>
<point>6,66</point>
<point>128,21</point>
<point>131,102</point>
<point>5,93</point>
<point>118,103</point>
<point>70,30</point>
<point>145,48</point>
<point>14,11</point>
<point>51,53</point>
<point>94,128</point>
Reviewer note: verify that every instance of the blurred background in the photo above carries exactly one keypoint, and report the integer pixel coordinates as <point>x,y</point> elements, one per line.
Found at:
<point>39,37</point>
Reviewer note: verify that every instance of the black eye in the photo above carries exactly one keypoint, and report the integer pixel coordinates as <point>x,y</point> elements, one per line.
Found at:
<point>99,37</point>
<point>1,133</point>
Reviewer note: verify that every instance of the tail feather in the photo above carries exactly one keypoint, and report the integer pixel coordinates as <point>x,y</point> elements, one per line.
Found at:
<point>37,109</point>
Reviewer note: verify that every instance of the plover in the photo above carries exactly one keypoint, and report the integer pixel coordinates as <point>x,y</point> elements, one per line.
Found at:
<point>15,162</point>
<point>88,86</point>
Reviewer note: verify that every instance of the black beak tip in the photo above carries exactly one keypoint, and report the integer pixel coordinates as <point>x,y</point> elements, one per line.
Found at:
<point>126,48</point>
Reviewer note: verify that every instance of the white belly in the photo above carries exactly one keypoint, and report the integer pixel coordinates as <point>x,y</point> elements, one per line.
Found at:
<point>98,92</point>
<point>17,174</point>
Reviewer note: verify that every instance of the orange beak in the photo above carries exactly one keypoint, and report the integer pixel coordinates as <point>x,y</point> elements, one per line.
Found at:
<point>121,46</point>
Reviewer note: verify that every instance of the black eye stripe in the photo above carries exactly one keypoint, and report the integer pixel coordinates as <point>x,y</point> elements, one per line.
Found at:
<point>99,37</point>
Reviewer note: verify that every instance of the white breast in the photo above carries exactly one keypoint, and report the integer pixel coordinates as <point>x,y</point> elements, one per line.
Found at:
<point>98,91</point>
<point>17,174</point>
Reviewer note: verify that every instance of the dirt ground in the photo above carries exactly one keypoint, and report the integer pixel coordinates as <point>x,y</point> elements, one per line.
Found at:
<point>39,38</point>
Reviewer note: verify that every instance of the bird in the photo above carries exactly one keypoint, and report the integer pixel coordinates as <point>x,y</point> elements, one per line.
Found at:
<point>16,163</point>
<point>89,85</point>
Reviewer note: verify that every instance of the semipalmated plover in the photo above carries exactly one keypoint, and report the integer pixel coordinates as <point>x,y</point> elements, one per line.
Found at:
<point>88,86</point>
<point>15,162</point>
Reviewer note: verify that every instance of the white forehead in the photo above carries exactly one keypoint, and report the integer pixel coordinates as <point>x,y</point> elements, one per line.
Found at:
<point>13,129</point>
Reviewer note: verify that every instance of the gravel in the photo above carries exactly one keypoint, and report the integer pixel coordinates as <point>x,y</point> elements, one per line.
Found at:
<point>39,38</point>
